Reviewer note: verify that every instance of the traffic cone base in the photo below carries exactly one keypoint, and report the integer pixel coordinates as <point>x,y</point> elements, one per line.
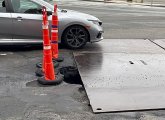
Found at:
<point>59,59</point>
<point>39,72</point>
<point>55,63</point>
<point>58,80</point>
<point>39,65</point>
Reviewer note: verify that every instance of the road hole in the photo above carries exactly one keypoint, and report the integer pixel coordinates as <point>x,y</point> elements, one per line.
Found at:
<point>131,62</point>
<point>98,109</point>
<point>71,75</point>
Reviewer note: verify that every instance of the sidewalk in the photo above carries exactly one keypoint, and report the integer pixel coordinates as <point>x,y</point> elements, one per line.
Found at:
<point>154,3</point>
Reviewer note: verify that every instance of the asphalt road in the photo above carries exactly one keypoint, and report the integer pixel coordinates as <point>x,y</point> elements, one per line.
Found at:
<point>21,98</point>
<point>124,21</point>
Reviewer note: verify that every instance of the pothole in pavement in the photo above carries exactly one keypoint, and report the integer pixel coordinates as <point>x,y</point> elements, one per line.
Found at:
<point>71,75</point>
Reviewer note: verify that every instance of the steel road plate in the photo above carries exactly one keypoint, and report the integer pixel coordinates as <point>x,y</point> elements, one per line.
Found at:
<point>122,82</point>
<point>160,42</point>
<point>122,46</point>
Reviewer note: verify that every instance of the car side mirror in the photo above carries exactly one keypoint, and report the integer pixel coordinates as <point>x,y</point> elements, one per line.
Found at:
<point>49,13</point>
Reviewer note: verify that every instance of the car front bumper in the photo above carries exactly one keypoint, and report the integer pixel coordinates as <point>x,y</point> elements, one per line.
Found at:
<point>96,33</point>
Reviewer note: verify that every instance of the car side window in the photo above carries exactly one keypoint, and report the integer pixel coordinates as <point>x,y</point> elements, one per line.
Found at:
<point>2,6</point>
<point>26,6</point>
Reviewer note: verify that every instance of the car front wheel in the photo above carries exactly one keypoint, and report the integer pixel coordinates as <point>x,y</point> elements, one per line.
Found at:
<point>75,37</point>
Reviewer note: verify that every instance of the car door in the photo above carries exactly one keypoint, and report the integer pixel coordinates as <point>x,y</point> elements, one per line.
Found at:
<point>5,23</point>
<point>27,24</point>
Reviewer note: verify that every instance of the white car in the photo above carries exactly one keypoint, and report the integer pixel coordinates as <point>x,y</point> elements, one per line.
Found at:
<point>21,24</point>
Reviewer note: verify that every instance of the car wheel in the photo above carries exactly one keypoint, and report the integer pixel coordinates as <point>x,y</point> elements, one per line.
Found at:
<point>75,37</point>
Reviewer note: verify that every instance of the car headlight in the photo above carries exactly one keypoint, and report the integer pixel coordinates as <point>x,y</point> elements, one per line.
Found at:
<point>99,23</point>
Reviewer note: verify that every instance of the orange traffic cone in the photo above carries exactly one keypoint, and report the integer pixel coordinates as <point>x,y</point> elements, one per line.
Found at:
<point>54,33</point>
<point>40,71</point>
<point>49,77</point>
<point>44,27</point>
<point>54,36</point>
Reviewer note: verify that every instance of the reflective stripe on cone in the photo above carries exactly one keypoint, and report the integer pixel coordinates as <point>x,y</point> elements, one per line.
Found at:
<point>54,31</point>
<point>47,47</point>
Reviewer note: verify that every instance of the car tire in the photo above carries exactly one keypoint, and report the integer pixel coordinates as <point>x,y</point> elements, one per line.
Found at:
<point>75,37</point>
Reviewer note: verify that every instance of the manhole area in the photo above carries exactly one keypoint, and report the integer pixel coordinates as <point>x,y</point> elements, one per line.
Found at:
<point>71,75</point>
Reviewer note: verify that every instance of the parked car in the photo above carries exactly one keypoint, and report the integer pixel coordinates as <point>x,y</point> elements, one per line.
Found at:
<point>21,24</point>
